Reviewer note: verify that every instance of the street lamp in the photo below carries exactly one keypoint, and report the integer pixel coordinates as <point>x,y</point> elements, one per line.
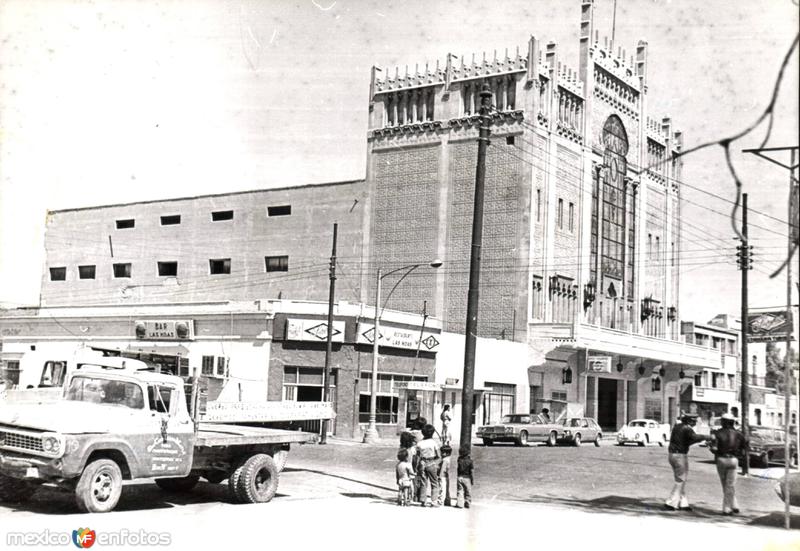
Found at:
<point>371,434</point>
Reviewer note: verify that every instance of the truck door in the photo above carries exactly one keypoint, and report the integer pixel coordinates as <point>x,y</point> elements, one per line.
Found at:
<point>171,448</point>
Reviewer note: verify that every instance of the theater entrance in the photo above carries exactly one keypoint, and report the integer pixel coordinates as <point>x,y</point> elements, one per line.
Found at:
<point>607,404</point>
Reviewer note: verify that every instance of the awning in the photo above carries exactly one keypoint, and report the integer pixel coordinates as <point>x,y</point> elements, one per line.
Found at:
<point>160,349</point>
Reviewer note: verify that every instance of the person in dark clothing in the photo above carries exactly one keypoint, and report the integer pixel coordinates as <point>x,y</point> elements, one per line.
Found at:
<point>728,444</point>
<point>681,438</point>
<point>465,479</point>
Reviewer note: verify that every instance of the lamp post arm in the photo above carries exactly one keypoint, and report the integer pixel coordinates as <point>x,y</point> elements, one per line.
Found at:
<point>410,269</point>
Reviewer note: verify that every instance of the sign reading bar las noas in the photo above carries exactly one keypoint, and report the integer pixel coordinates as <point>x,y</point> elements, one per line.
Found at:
<point>167,330</point>
<point>396,337</point>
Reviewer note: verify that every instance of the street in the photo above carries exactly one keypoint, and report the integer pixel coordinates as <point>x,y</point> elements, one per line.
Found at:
<point>344,492</point>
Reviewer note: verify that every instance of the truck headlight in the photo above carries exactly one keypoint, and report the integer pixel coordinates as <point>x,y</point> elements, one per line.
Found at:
<point>52,444</point>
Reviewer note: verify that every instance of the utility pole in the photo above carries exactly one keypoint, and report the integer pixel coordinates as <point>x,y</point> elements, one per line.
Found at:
<point>323,439</point>
<point>744,260</point>
<point>470,338</point>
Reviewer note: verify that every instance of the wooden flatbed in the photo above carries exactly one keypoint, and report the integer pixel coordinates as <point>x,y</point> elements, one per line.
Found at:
<point>217,434</point>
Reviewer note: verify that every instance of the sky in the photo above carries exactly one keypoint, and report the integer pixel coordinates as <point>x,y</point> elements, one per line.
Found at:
<point>105,102</point>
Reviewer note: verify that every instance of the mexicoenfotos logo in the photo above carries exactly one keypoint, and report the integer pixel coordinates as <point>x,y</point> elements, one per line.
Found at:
<point>83,538</point>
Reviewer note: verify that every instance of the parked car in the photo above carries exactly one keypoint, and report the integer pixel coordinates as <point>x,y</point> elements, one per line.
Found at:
<point>521,428</point>
<point>575,430</point>
<point>643,432</point>
<point>794,489</point>
<point>767,445</point>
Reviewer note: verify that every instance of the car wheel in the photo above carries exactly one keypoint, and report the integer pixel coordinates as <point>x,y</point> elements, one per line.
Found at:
<point>576,441</point>
<point>598,439</point>
<point>487,442</point>
<point>99,487</point>
<point>552,438</point>
<point>523,439</point>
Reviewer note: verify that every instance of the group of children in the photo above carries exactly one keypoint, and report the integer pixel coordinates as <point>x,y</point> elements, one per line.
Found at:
<point>423,469</point>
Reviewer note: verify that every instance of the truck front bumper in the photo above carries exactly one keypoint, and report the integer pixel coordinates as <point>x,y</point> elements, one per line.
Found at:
<point>27,467</point>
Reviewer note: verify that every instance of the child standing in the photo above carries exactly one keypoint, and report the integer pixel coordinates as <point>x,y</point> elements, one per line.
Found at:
<point>444,476</point>
<point>465,479</point>
<point>405,474</point>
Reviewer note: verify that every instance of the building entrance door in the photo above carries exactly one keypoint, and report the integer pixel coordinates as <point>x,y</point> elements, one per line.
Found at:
<point>607,404</point>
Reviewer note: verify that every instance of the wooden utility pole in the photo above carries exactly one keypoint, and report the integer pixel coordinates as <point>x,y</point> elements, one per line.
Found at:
<point>744,261</point>
<point>323,439</point>
<point>470,338</point>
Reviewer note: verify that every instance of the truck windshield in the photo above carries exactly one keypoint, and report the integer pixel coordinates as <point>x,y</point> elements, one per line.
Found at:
<point>105,391</point>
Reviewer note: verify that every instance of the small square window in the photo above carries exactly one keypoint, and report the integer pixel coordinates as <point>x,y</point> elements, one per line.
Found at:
<point>58,274</point>
<point>277,263</point>
<point>220,266</point>
<point>509,140</point>
<point>86,272</point>
<point>168,269</point>
<point>281,210</point>
<point>122,270</point>
<point>171,220</point>
<point>126,224</point>
<point>221,215</point>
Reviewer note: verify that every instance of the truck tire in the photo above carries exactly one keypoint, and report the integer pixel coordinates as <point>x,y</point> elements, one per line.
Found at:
<point>279,458</point>
<point>258,482</point>
<point>14,490</point>
<point>99,487</point>
<point>178,485</point>
<point>233,481</point>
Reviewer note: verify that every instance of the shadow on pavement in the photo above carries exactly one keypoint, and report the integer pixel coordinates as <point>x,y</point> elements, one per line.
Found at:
<point>340,477</point>
<point>655,507</point>
<point>135,497</point>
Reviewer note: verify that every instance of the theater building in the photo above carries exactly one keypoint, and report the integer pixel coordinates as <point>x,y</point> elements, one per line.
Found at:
<point>581,241</point>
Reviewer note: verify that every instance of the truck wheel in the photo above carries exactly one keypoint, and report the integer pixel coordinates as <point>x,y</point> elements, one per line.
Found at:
<point>99,487</point>
<point>14,490</point>
<point>233,481</point>
<point>178,485</point>
<point>279,458</point>
<point>258,482</point>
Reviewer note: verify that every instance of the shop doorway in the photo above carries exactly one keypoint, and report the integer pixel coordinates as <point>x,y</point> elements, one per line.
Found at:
<point>607,404</point>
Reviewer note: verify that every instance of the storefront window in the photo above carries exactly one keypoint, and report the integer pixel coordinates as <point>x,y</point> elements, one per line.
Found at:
<point>306,384</point>
<point>498,402</point>
<point>387,396</point>
<point>652,409</point>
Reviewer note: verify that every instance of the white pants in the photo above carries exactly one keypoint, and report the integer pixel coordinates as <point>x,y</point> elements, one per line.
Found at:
<point>680,470</point>
<point>726,469</point>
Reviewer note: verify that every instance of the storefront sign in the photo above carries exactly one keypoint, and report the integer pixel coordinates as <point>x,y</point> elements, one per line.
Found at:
<point>396,337</point>
<point>164,330</point>
<point>599,364</point>
<point>768,326</point>
<point>417,385</point>
<point>313,330</point>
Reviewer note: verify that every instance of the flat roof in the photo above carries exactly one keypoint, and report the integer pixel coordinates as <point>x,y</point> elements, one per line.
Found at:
<point>193,197</point>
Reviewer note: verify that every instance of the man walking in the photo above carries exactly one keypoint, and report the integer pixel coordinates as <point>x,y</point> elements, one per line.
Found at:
<point>728,444</point>
<point>682,437</point>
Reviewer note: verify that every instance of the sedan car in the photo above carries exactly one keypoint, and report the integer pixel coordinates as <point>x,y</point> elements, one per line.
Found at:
<point>521,428</point>
<point>575,430</point>
<point>767,445</point>
<point>643,432</point>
